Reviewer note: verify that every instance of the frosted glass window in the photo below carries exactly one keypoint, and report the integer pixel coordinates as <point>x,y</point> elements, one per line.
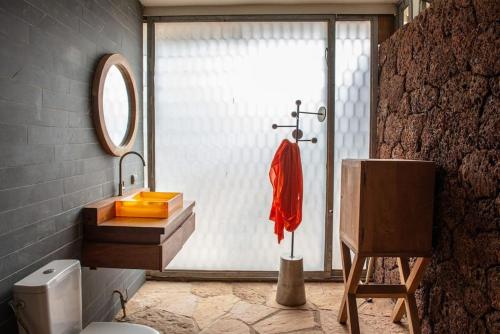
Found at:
<point>352,105</point>
<point>218,89</point>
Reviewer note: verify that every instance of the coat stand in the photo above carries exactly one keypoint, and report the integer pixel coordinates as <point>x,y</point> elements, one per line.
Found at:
<point>291,290</point>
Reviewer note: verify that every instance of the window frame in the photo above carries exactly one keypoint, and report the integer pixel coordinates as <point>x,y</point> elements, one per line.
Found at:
<point>400,8</point>
<point>423,5</point>
<point>328,273</point>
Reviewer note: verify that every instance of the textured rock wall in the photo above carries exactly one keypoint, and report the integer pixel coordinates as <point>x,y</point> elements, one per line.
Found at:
<point>440,100</point>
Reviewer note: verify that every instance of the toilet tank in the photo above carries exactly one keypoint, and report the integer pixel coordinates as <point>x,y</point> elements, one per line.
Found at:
<point>51,299</point>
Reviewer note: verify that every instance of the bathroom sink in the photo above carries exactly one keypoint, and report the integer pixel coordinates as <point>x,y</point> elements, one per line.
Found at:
<point>148,204</point>
<point>139,230</point>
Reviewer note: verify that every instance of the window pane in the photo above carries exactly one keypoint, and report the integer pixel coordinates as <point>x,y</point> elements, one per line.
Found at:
<point>218,89</point>
<point>352,105</point>
<point>406,15</point>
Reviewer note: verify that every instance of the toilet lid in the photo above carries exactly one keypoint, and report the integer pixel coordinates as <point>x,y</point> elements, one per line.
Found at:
<point>117,328</point>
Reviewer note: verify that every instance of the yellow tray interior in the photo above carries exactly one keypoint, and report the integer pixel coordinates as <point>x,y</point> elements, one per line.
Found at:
<point>145,204</point>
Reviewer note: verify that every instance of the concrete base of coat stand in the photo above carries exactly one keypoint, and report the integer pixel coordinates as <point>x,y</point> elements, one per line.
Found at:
<point>291,290</point>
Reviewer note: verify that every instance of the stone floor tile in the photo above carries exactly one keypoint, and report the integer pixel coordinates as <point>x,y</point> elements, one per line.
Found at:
<point>141,302</point>
<point>210,289</point>
<point>211,308</point>
<point>329,323</point>
<point>179,303</point>
<point>314,287</point>
<point>378,307</point>
<point>367,323</point>
<point>164,322</point>
<point>325,298</point>
<point>287,321</point>
<point>380,325</point>
<point>255,293</point>
<point>231,326</point>
<point>250,313</point>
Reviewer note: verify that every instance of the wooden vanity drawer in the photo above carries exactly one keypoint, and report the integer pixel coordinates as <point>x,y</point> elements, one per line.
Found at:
<point>137,230</point>
<point>386,206</point>
<point>137,256</point>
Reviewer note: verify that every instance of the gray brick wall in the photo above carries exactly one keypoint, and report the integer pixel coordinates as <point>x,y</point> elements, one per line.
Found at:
<point>51,163</point>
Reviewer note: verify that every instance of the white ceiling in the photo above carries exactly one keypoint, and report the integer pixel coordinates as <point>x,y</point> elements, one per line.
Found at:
<point>151,3</point>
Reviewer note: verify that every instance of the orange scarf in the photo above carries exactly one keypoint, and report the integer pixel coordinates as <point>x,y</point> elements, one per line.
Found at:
<point>286,177</point>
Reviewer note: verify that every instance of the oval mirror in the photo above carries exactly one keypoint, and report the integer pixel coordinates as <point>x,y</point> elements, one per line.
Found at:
<point>114,99</point>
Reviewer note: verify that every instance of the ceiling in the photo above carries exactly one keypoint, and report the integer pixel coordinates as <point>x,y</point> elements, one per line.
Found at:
<point>154,3</point>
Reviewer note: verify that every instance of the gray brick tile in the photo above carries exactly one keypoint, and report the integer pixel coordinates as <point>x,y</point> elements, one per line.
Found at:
<point>39,77</point>
<point>56,135</point>
<point>19,197</point>
<point>18,155</point>
<point>31,174</point>
<point>23,10</point>
<point>19,113</point>
<point>104,44</point>
<point>13,134</point>
<point>14,219</point>
<point>66,102</point>
<point>66,15</point>
<point>46,135</point>
<point>26,236</point>
<point>77,151</point>
<point>79,182</point>
<point>22,93</point>
<point>80,120</point>
<point>80,198</point>
<point>23,257</point>
<point>13,27</point>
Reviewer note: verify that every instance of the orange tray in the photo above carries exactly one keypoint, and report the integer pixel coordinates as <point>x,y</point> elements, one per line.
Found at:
<point>148,204</point>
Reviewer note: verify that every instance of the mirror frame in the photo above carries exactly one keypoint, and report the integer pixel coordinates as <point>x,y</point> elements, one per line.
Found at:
<point>105,63</point>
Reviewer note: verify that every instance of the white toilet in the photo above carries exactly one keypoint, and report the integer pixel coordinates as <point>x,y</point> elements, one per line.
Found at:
<point>50,302</point>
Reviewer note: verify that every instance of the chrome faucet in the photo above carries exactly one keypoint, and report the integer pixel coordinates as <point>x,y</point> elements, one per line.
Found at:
<point>121,185</point>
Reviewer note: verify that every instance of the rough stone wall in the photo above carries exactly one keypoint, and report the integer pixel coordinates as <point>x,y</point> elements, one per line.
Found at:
<point>440,100</point>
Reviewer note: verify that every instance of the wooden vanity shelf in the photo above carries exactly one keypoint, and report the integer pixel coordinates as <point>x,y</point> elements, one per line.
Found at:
<point>386,209</point>
<point>133,243</point>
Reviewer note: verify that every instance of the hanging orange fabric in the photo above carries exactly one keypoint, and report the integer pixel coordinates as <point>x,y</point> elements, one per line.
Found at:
<point>286,178</point>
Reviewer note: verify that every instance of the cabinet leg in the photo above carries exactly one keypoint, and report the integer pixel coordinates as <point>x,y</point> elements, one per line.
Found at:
<point>352,310</point>
<point>412,314</point>
<point>404,272</point>
<point>398,311</point>
<point>349,308</point>
<point>346,264</point>
<point>410,279</point>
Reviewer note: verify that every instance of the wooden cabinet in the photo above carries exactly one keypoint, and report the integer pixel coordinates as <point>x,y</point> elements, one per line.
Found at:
<point>386,207</point>
<point>133,243</point>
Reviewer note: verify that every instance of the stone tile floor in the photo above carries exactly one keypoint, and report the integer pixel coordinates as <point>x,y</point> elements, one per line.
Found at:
<point>213,307</point>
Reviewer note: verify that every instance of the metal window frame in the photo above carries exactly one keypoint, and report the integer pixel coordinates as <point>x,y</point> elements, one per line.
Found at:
<point>422,5</point>
<point>400,7</point>
<point>328,273</point>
